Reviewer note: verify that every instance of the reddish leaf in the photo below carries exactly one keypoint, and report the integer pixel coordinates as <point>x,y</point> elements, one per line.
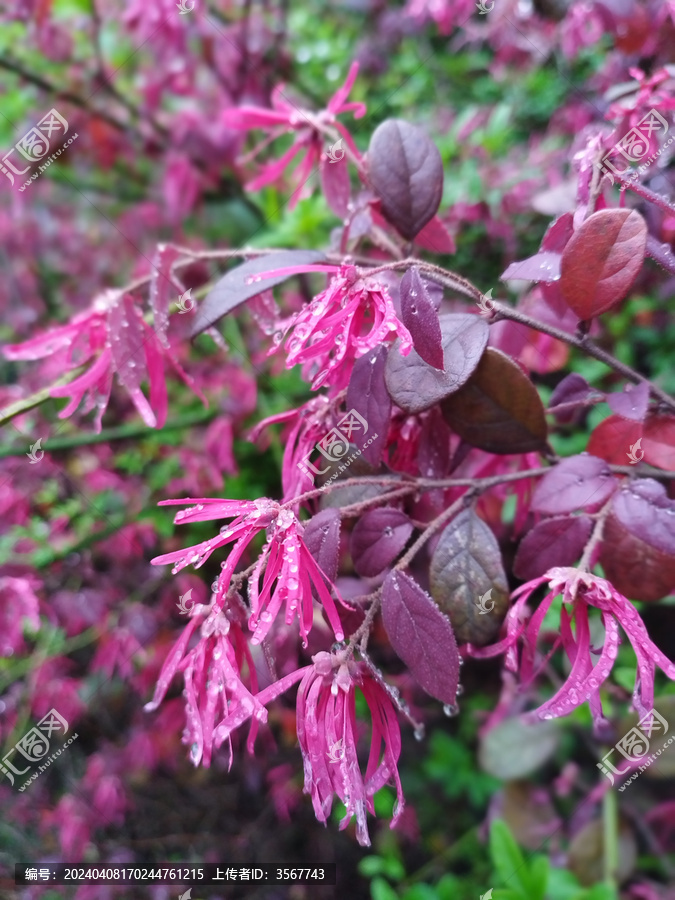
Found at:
<point>422,636</point>
<point>418,314</point>
<point>578,482</point>
<point>613,440</point>
<point>367,394</point>
<point>631,404</point>
<point>467,565</point>
<point>335,184</point>
<point>498,409</point>
<point>377,539</point>
<point>322,538</point>
<point>415,385</point>
<point>238,285</point>
<point>638,549</point>
<point>555,542</point>
<point>162,287</point>
<point>406,172</point>
<point>659,442</point>
<point>558,233</point>
<point>436,237</point>
<point>602,260</point>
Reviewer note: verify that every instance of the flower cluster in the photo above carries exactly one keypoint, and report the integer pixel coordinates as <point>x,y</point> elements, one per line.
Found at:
<point>110,336</point>
<point>581,592</point>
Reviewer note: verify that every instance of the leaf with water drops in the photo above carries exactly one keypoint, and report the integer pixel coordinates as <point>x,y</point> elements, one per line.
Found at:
<point>498,409</point>
<point>418,314</point>
<point>414,385</point>
<point>638,548</point>
<point>578,482</point>
<point>245,281</point>
<point>322,539</point>
<point>465,567</point>
<point>559,541</point>
<point>162,287</point>
<point>631,404</point>
<point>421,636</point>
<point>367,394</point>
<point>406,172</point>
<point>378,538</point>
<point>602,260</point>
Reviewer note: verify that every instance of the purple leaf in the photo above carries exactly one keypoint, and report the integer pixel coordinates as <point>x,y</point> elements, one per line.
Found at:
<point>322,539</point>
<point>377,539</point>
<point>543,266</point>
<point>555,542</point>
<point>406,172</point>
<point>631,404</point>
<point>421,636</point>
<point>238,285</point>
<point>335,184</point>
<point>415,385</point>
<point>367,394</point>
<point>579,482</point>
<point>433,454</point>
<point>419,316</point>
<point>466,567</point>
<point>572,389</point>
<point>644,509</point>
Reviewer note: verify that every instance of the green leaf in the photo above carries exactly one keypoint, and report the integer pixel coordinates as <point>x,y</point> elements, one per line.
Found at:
<point>371,865</point>
<point>601,892</point>
<point>562,885</point>
<point>507,858</point>
<point>538,876</point>
<point>381,890</point>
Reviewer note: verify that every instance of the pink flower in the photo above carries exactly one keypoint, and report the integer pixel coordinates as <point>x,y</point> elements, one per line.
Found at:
<point>111,336</point>
<point>212,671</point>
<point>287,559</point>
<point>326,722</point>
<point>285,562</point>
<point>581,591</point>
<point>309,129</point>
<point>351,316</point>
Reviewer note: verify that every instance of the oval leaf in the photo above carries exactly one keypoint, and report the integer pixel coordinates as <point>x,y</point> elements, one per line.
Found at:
<point>465,567</point>
<point>616,440</point>
<point>601,260</point>
<point>638,549</point>
<point>367,394</point>
<point>578,482</point>
<point>418,314</point>
<point>378,538</point>
<point>406,172</point>
<point>514,749</point>
<point>498,409</point>
<point>415,385</point>
<point>335,184</point>
<point>234,287</point>
<point>322,539</point>
<point>421,636</point>
<point>556,542</point>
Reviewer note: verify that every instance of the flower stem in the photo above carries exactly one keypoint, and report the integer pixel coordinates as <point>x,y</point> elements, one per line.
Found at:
<point>610,828</point>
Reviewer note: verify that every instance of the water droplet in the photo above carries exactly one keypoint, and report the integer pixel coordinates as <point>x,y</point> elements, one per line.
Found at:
<point>266,616</point>
<point>419,733</point>
<point>450,709</point>
<point>388,531</point>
